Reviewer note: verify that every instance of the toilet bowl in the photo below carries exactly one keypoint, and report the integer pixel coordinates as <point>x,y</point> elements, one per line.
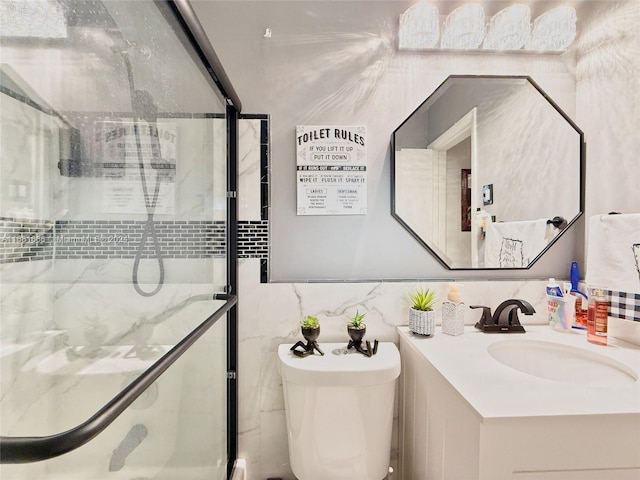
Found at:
<point>339,411</point>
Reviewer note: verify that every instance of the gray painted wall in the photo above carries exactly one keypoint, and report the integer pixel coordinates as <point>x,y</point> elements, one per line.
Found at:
<point>335,62</point>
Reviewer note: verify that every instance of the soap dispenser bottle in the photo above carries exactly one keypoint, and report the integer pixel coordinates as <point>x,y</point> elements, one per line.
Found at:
<point>453,312</point>
<point>597,317</point>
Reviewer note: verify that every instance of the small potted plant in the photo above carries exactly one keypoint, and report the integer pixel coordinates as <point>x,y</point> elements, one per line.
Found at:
<point>310,327</point>
<point>422,317</point>
<point>355,328</point>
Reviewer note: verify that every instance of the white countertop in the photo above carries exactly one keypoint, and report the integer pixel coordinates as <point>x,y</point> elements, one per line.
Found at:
<point>497,391</point>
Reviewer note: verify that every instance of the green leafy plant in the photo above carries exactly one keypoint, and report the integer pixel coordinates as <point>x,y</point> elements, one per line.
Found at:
<point>423,299</point>
<point>356,320</point>
<point>310,322</point>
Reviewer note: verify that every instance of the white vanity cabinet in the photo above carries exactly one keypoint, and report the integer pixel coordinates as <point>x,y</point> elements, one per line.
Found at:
<point>466,417</point>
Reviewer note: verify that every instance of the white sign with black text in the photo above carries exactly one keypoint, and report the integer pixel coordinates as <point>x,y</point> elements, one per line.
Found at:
<point>332,170</point>
<point>121,147</point>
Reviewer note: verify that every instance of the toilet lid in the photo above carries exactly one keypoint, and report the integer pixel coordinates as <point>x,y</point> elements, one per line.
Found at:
<point>340,369</point>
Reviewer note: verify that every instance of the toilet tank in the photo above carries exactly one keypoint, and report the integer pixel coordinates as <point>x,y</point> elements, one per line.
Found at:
<point>339,411</point>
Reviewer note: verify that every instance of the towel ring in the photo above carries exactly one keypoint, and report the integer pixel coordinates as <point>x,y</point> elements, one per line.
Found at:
<point>558,222</point>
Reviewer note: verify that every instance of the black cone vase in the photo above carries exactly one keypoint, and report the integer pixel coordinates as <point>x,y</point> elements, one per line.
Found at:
<point>356,333</point>
<point>310,334</point>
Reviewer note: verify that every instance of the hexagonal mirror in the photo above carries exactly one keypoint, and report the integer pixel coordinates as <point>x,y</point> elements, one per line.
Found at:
<point>487,172</point>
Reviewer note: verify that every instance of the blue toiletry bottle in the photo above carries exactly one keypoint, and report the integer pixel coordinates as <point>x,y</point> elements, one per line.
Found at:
<point>560,318</point>
<point>553,288</point>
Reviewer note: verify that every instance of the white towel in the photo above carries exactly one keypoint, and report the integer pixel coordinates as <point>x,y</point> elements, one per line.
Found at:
<point>613,252</point>
<point>514,244</point>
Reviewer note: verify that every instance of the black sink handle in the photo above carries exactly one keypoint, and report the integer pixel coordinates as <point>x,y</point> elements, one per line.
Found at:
<point>486,318</point>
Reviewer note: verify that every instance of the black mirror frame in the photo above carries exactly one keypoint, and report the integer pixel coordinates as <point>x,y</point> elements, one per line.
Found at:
<point>582,160</point>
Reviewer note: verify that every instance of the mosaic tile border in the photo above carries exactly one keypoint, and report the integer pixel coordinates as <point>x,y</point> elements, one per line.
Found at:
<point>31,240</point>
<point>89,239</point>
<point>253,239</point>
<point>25,240</point>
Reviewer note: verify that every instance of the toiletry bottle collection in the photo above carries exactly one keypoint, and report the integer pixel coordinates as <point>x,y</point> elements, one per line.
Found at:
<point>566,307</point>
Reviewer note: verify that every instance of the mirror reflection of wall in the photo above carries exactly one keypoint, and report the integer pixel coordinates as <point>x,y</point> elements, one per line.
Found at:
<point>458,168</point>
<point>517,141</point>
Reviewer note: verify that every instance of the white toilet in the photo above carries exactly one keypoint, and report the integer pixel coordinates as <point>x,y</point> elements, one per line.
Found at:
<point>339,410</point>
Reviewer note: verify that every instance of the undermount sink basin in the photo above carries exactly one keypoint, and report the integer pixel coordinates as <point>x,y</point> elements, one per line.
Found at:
<point>564,363</point>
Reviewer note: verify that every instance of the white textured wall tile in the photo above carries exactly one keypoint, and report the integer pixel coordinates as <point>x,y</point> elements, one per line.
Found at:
<point>270,315</point>
<point>249,170</point>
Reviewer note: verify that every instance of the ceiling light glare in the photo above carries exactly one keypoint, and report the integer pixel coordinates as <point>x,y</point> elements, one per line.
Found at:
<point>464,28</point>
<point>509,29</point>
<point>33,18</point>
<point>554,30</point>
<point>419,27</point>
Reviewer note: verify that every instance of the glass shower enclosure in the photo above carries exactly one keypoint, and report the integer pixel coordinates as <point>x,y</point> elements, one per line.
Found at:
<point>117,243</point>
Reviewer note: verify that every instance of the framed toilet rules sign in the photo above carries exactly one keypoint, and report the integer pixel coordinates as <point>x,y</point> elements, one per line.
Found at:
<point>331,170</point>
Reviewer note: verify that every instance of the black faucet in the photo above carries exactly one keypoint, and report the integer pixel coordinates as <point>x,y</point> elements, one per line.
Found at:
<point>505,318</point>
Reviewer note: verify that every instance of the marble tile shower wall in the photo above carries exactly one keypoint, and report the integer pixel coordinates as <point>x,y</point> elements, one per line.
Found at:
<point>65,280</point>
<point>66,285</point>
<point>88,230</point>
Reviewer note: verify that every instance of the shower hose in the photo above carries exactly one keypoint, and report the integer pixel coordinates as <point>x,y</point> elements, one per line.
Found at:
<point>143,108</point>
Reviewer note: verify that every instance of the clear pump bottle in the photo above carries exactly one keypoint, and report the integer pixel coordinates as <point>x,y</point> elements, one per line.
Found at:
<point>597,317</point>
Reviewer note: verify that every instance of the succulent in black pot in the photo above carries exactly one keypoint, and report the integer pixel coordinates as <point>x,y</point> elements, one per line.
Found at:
<point>310,327</point>
<point>356,328</point>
